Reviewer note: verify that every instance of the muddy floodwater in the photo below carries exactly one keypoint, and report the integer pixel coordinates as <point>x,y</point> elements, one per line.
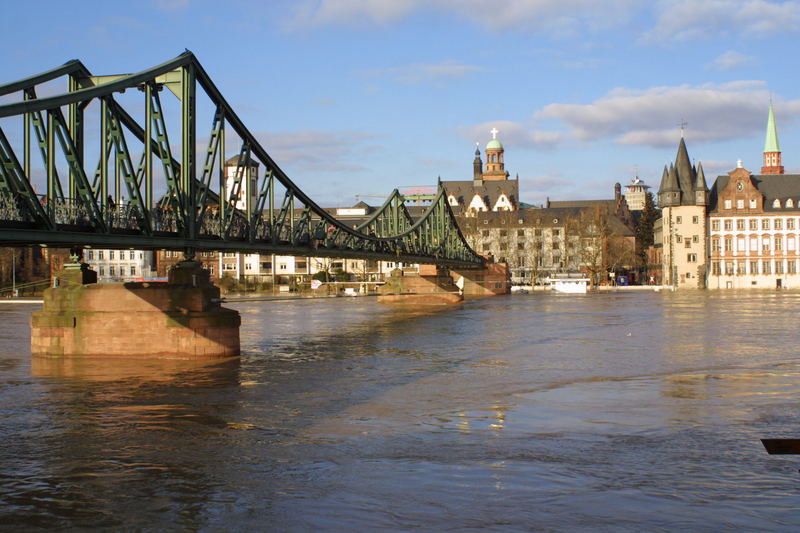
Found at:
<point>544,412</point>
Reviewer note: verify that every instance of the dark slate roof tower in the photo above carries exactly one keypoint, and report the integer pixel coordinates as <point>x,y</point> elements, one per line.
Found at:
<point>477,167</point>
<point>683,184</point>
<point>700,187</point>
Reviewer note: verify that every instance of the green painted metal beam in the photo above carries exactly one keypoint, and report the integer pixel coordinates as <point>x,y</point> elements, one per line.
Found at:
<point>185,218</point>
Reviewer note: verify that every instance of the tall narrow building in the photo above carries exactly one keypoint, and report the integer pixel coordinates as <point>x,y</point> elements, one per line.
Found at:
<point>683,197</point>
<point>772,148</point>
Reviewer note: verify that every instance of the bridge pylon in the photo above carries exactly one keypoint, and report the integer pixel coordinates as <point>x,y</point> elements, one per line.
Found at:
<point>180,319</point>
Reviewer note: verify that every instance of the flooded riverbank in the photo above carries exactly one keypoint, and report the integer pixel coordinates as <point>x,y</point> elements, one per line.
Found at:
<point>604,412</point>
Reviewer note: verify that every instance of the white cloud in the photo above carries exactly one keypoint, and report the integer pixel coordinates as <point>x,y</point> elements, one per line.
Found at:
<point>318,150</point>
<point>564,17</point>
<point>675,20</point>
<point>713,167</point>
<point>729,60</point>
<point>650,117</point>
<point>558,186</point>
<point>682,20</point>
<point>312,13</point>
<point>512,133</point>
<point>427,72</point>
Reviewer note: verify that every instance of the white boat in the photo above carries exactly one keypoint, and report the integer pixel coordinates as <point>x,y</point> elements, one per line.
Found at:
<point>569,285</point>
<point>523,289</point>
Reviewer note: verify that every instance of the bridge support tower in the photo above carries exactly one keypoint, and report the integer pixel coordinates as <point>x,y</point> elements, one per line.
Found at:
<point>432,286</point>
<point>491,280</point>
<point>181,319</point>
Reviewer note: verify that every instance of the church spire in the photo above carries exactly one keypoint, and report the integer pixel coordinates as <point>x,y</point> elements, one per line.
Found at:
<point>772,148</point>
<point>477,165</point>
<point>771,144</point>
<point>685,172</point>
<point>669,193</point>
<point>700,187</point>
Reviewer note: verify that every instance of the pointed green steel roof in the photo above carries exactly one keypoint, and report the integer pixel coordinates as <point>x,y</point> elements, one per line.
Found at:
<point>771,144</point>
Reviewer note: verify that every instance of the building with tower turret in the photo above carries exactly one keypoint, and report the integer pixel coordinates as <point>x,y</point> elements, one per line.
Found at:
<point>490,188</point>
<point>683,197</point>
<point>538,242</point>
<point>743,232</point>
<point>753,223</point>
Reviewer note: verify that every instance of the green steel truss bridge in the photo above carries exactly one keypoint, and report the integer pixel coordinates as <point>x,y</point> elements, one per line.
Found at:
<point>92,165</point>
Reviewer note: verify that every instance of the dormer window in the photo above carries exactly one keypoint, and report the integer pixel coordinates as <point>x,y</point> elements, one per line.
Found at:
<point>776,203</point>
<point>789,203</point>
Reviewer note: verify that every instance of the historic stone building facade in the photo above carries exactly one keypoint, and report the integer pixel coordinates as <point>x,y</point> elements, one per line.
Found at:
<point>754,231</point>
<point>536,242</point>
<point>744,232</point>
<point>683,197</point>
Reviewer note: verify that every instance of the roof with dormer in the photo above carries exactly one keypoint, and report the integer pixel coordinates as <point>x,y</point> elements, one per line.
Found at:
<point>544,217</point>
<point>489,191</point>
<point>779,187</point>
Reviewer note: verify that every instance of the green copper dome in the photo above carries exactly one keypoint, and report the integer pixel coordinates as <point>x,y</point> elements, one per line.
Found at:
<point>494,144</point>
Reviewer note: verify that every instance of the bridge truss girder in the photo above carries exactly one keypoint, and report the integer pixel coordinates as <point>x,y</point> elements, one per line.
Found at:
<point>245,210</point>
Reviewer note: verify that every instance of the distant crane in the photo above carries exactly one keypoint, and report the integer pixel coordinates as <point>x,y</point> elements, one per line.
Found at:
<point>416,195</point>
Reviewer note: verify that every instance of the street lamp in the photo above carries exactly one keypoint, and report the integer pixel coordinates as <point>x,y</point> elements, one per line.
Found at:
<point>13,273</point>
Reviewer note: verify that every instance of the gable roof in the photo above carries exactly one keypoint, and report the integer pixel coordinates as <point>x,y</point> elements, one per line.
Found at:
<point>773,186</point>
<point>489,191</point>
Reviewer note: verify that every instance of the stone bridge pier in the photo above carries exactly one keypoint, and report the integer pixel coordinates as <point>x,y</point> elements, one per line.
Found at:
<point>180,319</point>
<point>491,280</point>
<point>440,286</point>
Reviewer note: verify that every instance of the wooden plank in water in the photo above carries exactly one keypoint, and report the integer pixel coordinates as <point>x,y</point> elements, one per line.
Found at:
<point>782,446</point>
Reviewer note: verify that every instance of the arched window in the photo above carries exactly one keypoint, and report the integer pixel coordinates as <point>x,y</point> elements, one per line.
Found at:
<point>789,203</point>
<point>776,203</point>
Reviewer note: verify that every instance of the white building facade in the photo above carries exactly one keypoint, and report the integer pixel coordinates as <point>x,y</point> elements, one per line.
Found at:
<point>121,265</point>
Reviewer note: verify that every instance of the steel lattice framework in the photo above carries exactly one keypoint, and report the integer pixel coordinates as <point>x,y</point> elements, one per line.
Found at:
<point>113,204</point>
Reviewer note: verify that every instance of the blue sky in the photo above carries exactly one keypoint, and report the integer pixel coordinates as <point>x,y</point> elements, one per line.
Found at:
<point>360,96</point>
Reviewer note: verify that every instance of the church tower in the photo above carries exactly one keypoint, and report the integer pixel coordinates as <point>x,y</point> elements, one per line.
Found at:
<point>477,167</point>
<point>772,148</point>
<point>495,167</point>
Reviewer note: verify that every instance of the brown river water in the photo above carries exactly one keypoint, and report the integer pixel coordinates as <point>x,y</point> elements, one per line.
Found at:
<point>544,412</point>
